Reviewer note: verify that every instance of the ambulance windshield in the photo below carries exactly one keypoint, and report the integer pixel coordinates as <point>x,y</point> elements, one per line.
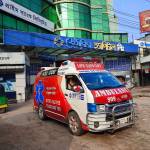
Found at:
<point>100,80</point>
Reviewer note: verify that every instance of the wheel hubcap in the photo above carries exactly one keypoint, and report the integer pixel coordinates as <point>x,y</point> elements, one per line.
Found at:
<point>73,124</point>
<point>41,112</point>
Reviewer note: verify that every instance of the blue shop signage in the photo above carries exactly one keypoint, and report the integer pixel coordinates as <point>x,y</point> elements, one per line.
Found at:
<point>72,43</point>
<point>76,43</point>
<point>12,37</point>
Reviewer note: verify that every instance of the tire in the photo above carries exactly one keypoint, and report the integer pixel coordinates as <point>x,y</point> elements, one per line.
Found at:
<point>41,112</point>
<point>74,124</point>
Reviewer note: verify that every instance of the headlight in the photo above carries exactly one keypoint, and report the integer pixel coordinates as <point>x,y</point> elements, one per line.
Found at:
<point>101,108</point>
<point>95,108</point>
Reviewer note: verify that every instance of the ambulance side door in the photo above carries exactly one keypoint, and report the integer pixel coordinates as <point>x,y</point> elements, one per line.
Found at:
<point>77,100</point>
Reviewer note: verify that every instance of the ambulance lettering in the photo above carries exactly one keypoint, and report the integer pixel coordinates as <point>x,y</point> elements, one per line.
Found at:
<point>82,97</point>
<point>53,104</point>
<point>56,108</point>
<point>110,92</point>
<point>77,96</point>
<point>111,99</point>
<point>50,90</point>
<point>50,93</point>
<point>73,95</point>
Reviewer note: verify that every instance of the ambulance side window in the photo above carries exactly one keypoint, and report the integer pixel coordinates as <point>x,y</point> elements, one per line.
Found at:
<point>44,73</point>
<point>71,81</point>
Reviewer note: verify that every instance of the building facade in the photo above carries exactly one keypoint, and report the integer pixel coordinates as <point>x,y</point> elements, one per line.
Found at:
<point>9,18</point>
<point>15,69</point>
<point>141,65</point>
<point>91,19</point>
<point>85,19</point>
<point>14,75</point>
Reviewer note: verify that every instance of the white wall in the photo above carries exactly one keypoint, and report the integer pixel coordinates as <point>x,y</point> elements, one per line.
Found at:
<point>20,86</point>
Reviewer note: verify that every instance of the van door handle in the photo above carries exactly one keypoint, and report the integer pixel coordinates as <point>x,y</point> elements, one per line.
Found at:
<point>66,94</point>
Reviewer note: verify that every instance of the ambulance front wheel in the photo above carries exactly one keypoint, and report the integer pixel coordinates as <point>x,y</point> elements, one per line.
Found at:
<point>75,124</point>
<point>41,112</point>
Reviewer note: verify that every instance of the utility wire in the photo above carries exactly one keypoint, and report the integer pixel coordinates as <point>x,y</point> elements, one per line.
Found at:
<point>132,24</point>
<point>75,10</point>
<point>125,14</point>
<point>122,18</point>
<point>104,6</point>
<point>114,10</point>
<point>127,25</point>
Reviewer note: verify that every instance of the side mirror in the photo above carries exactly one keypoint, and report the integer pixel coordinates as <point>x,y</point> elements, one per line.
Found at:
<point>78,88</point>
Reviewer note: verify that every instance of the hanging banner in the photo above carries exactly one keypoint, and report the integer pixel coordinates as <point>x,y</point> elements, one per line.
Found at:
<point>145,21</point>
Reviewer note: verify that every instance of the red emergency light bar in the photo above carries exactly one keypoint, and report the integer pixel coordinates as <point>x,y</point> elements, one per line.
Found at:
<point>88,66</point>
<point>85,59</point>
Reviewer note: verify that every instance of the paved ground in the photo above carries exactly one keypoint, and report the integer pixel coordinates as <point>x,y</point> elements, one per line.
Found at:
<point>20,129</point>
<point>141,91</point>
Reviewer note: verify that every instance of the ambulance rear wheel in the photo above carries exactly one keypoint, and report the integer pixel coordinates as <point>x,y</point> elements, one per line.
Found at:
<point>75,124</point>
<point>41,113</point>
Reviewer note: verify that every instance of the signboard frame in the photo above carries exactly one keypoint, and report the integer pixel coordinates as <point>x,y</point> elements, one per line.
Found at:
<point>144,21</point>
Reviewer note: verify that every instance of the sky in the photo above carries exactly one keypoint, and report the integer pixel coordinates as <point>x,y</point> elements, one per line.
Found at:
<point>124,9</point>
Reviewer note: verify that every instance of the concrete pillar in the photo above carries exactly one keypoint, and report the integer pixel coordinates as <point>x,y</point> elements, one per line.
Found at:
<point>137,79</point>
<point>21,86</point>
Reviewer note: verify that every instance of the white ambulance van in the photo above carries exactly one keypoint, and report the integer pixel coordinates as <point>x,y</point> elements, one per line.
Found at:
<point>85,96</point>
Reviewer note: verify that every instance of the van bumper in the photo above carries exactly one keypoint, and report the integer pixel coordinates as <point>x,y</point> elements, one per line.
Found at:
<point>95,125</point>
<point>98,122</point>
